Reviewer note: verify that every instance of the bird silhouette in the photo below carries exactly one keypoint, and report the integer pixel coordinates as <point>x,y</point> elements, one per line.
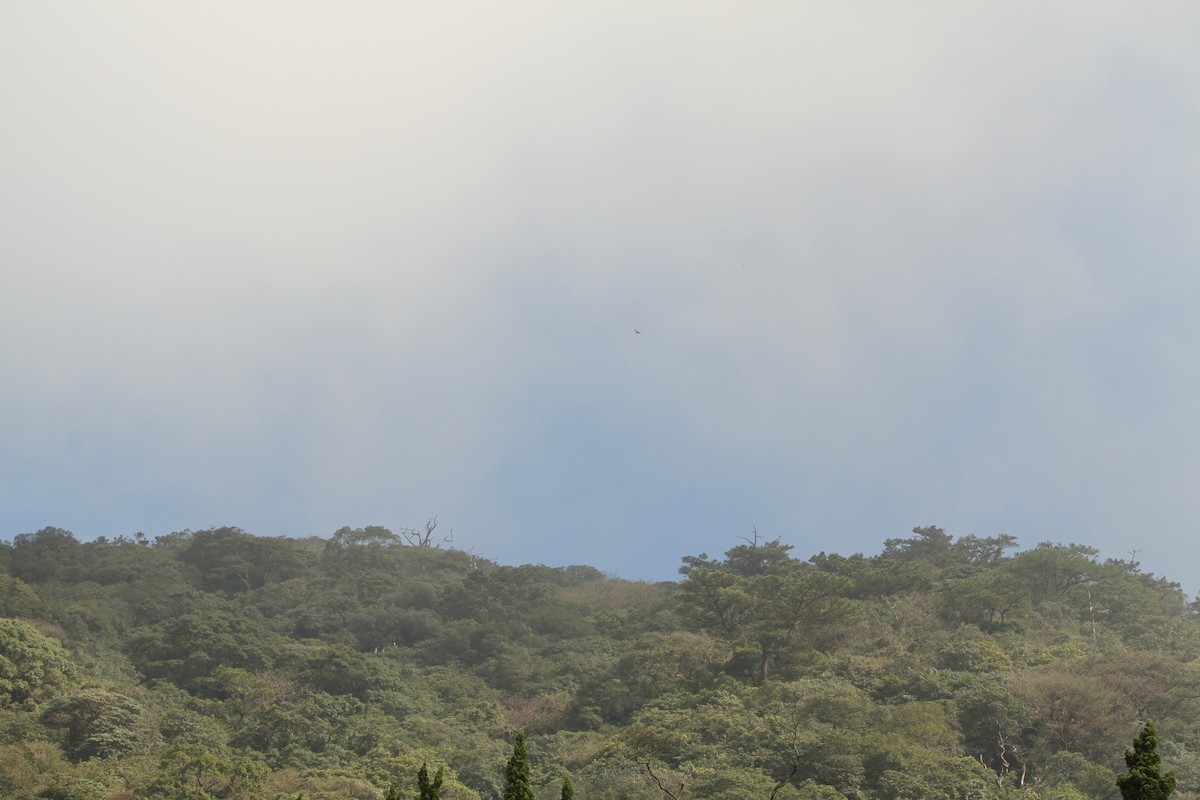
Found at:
<point>635,330</point>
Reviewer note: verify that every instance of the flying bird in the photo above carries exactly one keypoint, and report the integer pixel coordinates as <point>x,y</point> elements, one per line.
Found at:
<point>635,330</point>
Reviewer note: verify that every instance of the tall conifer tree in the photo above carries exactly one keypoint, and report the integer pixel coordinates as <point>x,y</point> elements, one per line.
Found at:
<point>516,774</point>
<point>427,789</point>
<point>568,791</point>
<point>1145,780</point>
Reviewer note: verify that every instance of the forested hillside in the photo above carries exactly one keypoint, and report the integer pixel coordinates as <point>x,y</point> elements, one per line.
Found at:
<point>219,664</point>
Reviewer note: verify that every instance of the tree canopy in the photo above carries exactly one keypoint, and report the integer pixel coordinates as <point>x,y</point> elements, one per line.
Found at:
<point>220,664</point>
<point>1145,779</point>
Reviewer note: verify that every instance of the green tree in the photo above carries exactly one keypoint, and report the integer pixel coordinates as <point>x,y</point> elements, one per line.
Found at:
<point>992,718</point>
<point>30,663</point>
<point>875,577</point>
<point>192,646</point>
<point>987,599</point>
<point>1070,709</point>
<point>568,791</point>
<point>17,599</point>
<point>516,773</point>
<point>429,789</point>
<point>1145,780</point>
<point>1051,571</point>
<point>352,550</point>
<point>51,554</point>
<point>930,544</point>
<point>193,772</point>
<point>763,599</point>
<point>985,550</point>
<point>231,560</point>
<point>96,723</point>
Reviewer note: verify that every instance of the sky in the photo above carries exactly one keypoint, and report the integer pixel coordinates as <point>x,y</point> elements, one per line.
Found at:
<point>296,265</point>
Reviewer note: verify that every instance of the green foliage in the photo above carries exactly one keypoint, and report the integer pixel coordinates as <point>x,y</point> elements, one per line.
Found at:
<point>1144,779</point>
<point>1053,571</point>
<point>761,597</point>
<point>352,550</point>
<point>193,772</point>
<point>217,664</point>
<point>930,545</point>
<point>32,664</point>
<point>341,670</point>
<point>17,599</point>
<point>874,578</point>
<point>516,773</point>
<point>191,646</point>
<point>656,664</point>
<point>50,555</point>
<point>989,599</point>
<point>428,789</point>
<point>1066,772</point>
<point>231,560</point>
<point>97,723</point>
<point>1070,710</point>
<point>992,718</point>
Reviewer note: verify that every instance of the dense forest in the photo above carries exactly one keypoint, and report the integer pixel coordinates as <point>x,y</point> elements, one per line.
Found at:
<point>219,664</point>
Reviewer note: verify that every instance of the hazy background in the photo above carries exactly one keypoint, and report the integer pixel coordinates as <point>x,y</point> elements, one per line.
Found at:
<point>296,265</point>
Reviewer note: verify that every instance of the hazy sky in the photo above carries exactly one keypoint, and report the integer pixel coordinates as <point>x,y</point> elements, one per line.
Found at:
<point>297,265</point>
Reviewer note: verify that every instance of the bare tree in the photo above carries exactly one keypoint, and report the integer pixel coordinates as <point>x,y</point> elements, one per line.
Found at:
<point>425,538</point>
<point>1010,750</point>
<point>752,542</point>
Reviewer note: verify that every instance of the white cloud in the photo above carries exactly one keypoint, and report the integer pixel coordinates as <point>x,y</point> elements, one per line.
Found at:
<point>874,251</point>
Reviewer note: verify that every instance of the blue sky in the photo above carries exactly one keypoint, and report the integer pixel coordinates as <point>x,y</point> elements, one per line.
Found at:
<point>292,266</point>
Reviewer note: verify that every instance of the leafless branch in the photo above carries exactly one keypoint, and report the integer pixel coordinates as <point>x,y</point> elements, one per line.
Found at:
<point>425,538</point>
<point>752,542</point>
<point>675,795</point>
<point>793,731</point>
